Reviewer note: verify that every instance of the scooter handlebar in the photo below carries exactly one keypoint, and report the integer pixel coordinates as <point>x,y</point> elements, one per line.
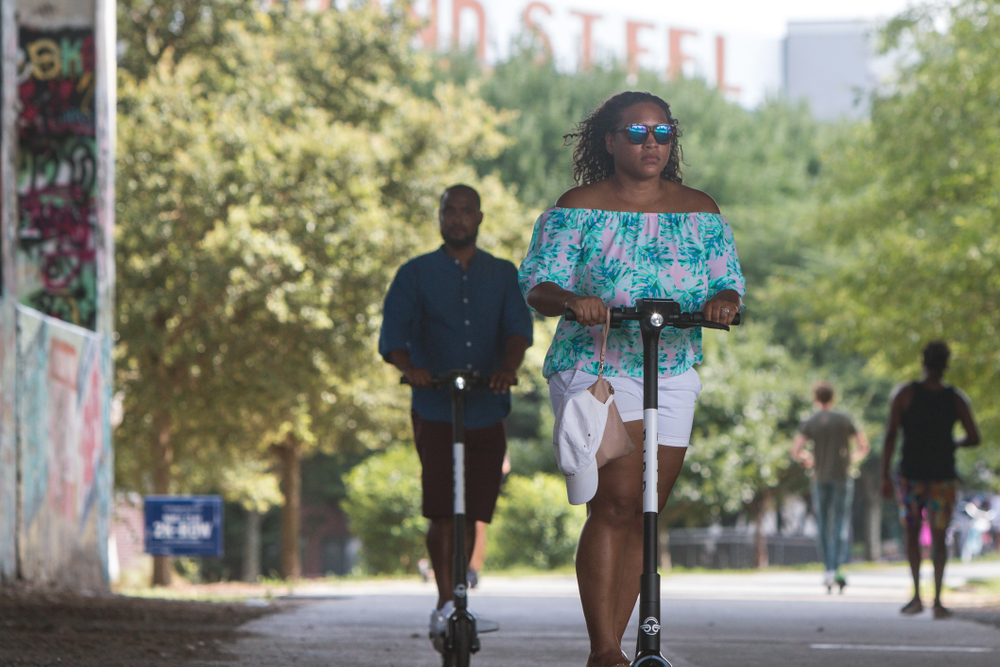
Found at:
<point>685,321</point>
<point>472,381</point>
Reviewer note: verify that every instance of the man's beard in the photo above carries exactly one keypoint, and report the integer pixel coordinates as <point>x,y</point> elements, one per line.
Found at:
<point>459,242</point>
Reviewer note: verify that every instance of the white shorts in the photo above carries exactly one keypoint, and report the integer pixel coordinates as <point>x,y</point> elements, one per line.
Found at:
<point>677,396</point>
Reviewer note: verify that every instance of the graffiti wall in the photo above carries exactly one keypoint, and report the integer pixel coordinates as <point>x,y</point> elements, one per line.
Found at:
<point>58,234</point>
<point>63,414</point>
<point>56,294</point>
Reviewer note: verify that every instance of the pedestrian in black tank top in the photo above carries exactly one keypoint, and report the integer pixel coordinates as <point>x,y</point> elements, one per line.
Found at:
<point>927,411</point>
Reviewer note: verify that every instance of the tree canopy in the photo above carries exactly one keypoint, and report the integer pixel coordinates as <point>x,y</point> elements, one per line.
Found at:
<point>913,211</point>
<point>268,189</point>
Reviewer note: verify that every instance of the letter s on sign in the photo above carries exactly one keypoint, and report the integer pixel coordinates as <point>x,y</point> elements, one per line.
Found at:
<point>536,29</point>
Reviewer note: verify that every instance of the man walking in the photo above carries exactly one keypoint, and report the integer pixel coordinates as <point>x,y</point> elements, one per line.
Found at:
<point>831,433</point>
<point>456,308</point>
<point>927,411</point>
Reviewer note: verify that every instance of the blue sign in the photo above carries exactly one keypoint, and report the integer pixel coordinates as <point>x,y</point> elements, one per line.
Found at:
<point>184,526</point>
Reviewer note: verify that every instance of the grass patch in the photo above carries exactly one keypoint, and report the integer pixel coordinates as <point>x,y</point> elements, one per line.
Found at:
<point>189,595</point>
<point>990,587</point>
<point>518,571</point>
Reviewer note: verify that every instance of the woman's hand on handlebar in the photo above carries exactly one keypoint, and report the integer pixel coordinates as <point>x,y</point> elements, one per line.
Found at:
<point>589,310</point>
<point>418,377</point>
<point>722,308</point>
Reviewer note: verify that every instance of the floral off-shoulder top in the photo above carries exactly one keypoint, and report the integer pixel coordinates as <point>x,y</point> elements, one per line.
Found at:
<point>620,257</point>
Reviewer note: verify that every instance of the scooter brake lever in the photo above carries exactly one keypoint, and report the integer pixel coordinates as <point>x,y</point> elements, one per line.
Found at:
<point>710,325</point>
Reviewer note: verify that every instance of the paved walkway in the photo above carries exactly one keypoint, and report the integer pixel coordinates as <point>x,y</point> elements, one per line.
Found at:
<point>750,619</point>
<point>890,583</point>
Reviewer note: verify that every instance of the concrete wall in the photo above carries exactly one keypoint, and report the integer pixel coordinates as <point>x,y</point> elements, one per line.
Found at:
<point>8,340</point>
<point>63,408</point>
<point>57,311</point>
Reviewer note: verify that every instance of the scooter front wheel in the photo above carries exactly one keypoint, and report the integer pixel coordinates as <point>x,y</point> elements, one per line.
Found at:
<point>651,661</point>
<point>461,644</point>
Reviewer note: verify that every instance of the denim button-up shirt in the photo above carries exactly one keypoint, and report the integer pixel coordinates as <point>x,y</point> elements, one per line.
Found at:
<point>448,318</point>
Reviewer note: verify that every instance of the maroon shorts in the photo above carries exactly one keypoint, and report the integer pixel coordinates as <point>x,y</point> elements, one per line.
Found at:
<point>484,452</point>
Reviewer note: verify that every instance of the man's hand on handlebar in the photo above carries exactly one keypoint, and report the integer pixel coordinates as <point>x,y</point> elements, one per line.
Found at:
<point>501,381</point>
<point>590,310</point>
<point>418,377</point>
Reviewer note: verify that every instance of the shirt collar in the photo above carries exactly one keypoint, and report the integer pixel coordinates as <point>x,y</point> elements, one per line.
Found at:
<point>451,261</point>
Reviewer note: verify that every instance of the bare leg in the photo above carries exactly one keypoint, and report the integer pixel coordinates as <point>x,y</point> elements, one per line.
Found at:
<point>612,520</point>
<point>440,546</point>
<point>670,460</point>
<point>609,558</point>
<point>939,555</point>
<point>914,556</point>
<point>479,552</point>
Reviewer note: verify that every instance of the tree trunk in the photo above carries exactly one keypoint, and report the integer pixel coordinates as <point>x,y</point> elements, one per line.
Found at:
<point>290,453</point>
<point>873,528</point>
<point>163,459</point>
<point>251,546</point>
<point>871,482</point>
<point>759,508</point>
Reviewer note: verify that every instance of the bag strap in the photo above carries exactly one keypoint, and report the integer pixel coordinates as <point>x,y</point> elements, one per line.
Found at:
<point>604,344</point>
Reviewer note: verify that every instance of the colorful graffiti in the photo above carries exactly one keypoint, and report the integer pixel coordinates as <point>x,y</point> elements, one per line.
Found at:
<point>63,404</point>
<point>57,175</point>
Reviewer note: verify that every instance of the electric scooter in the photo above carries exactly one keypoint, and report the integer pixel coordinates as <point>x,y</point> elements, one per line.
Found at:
<point>653,315</point>
<point>462,636</point>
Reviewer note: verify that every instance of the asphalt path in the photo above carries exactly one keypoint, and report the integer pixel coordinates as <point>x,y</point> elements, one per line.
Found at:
<point>709,620</point>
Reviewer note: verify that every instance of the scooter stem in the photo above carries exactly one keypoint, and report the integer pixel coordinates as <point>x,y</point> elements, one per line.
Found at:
<point>651,323</point>
<point>459,389</point>
<point>653,315</point>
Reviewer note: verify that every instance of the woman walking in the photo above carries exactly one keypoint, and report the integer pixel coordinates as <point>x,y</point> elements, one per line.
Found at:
<point>630,230</point>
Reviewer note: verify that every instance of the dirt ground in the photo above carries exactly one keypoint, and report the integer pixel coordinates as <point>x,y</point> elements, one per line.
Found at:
<point>48,628</point>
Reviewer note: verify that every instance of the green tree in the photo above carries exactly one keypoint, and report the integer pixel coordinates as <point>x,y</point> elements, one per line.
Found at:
<point>267,193</point>
<point>534,525</point>
<point>383,504</point>
<point>150,28</point>
<point>741,157</point>
<point>914,214</point>
<point>761,166</point>
<point>746,418</point>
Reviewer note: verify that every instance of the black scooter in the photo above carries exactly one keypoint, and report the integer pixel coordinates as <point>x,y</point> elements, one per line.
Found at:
<point>462,637</point>
<point>653,315</point>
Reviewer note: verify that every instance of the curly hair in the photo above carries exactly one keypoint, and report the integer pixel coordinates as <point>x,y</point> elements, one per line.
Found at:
<point>591,160</point>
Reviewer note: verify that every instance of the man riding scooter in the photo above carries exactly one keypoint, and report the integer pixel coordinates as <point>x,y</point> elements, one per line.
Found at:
<point>457,308</point>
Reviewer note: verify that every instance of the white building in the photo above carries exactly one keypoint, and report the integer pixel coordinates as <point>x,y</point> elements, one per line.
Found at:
<point>828,63</point>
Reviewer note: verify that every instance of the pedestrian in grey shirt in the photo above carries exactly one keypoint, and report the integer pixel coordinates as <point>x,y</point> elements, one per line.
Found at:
<point>831,433</point>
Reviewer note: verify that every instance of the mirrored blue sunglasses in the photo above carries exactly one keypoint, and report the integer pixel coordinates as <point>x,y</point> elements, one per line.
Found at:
<point>637,132</point>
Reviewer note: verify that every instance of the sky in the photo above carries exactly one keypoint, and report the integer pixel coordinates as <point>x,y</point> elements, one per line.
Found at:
<point>764,18</point>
